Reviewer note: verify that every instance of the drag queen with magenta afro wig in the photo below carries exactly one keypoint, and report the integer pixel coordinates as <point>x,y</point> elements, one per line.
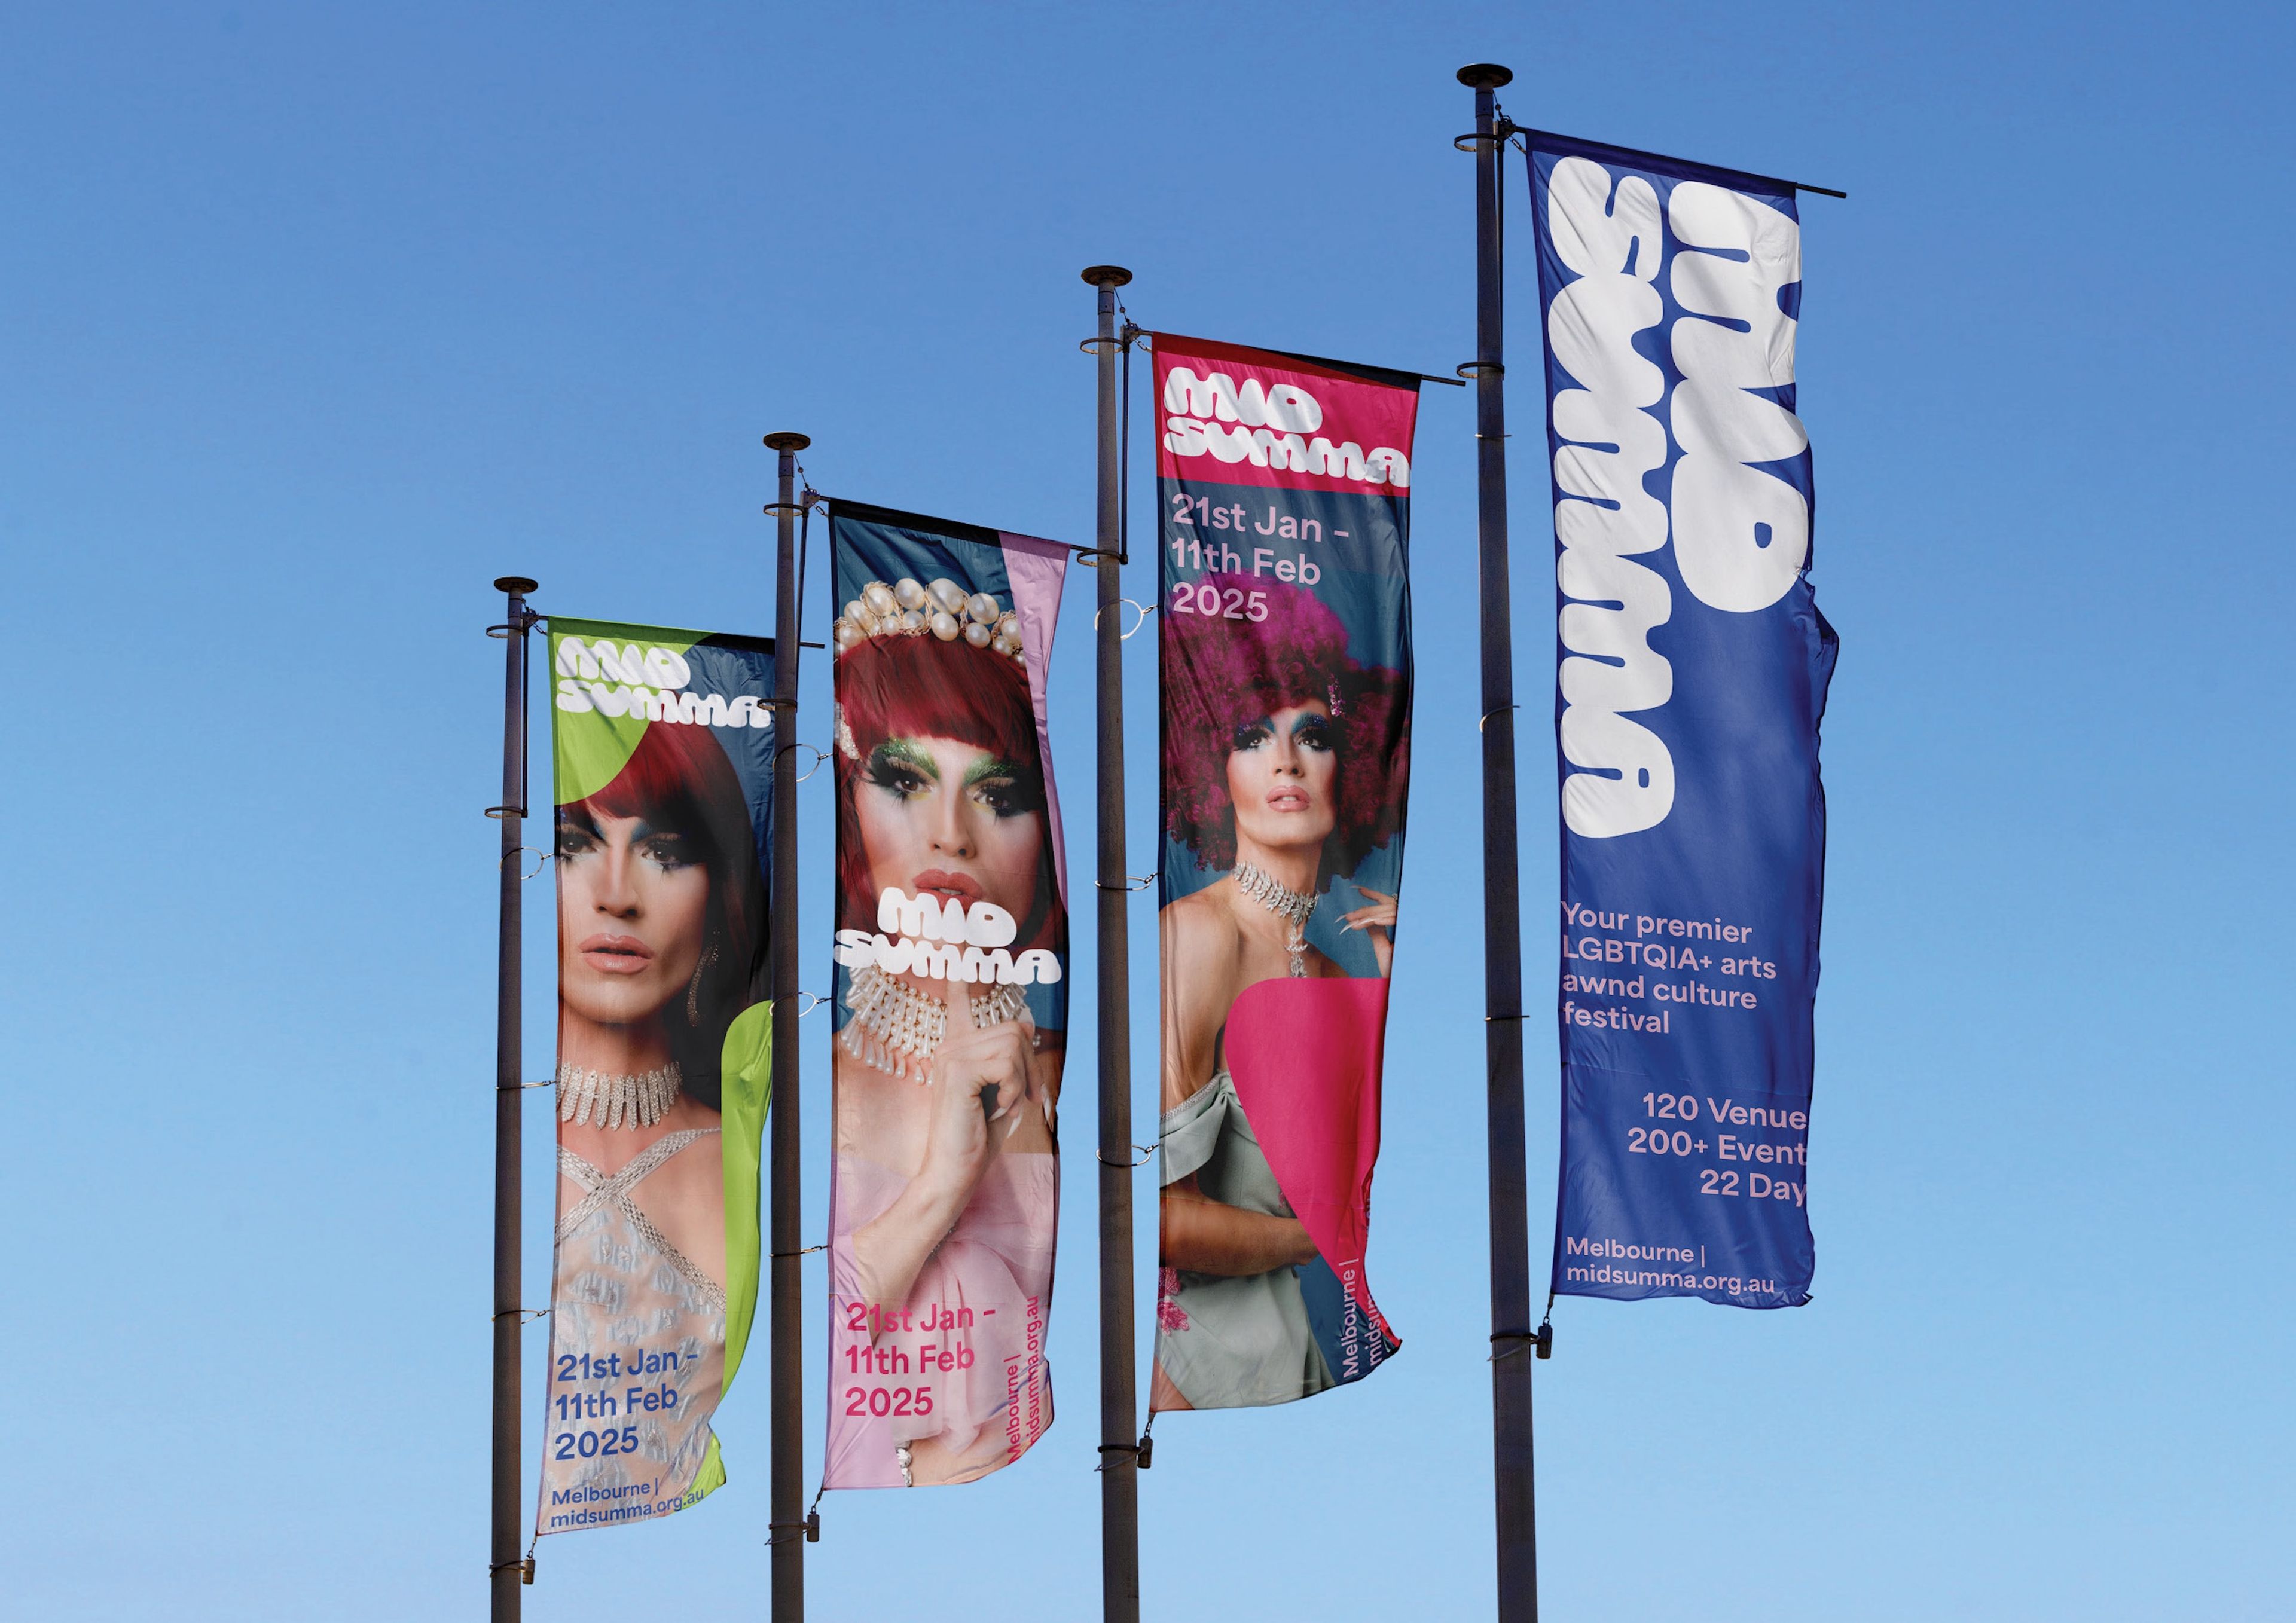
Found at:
<point>947,1188</point>
<point>1284,765</point>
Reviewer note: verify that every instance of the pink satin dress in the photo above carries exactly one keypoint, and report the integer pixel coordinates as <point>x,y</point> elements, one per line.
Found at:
<point>964,1357</point>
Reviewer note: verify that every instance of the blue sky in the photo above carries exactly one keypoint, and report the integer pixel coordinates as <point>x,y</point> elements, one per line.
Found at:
<point>319,318</point>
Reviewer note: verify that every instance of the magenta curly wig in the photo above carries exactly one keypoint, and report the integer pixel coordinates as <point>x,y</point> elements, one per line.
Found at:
<point>1221,674</point>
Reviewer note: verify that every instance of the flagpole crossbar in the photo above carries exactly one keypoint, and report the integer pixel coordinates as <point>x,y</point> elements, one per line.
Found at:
<point>1508,129</point>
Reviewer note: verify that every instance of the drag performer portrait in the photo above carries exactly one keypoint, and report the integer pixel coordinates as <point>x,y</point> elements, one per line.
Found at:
<point>1285,762</point>
<point>947,1191</point>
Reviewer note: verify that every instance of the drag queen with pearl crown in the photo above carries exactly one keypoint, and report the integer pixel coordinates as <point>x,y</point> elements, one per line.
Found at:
<point>947,1184</point>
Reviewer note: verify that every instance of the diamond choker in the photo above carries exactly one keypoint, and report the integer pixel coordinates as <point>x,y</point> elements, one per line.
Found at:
<point>617,1102</point>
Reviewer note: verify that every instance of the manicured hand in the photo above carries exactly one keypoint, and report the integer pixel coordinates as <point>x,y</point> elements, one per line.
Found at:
<point>979,1077</point>
<point>1377,920</point>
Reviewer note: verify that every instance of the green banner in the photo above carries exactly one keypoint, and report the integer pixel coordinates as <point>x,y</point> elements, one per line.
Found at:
<point>663,755</point>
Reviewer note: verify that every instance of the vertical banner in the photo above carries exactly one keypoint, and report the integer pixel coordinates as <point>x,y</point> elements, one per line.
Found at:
<point>1283,486</point>
<point>663,758</point>
<point>1691,666</point>
<point>951,1000</point>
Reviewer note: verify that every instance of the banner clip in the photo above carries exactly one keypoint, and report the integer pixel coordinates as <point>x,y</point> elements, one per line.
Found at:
<point>1475,369</point>
<point>1132,881</point>
<point>1541,1340</point>
<point>524,1568</point>
<point>1488,714</point>
<point>811,1527</point>
<point>809,1251</point>
<point>498,811</point>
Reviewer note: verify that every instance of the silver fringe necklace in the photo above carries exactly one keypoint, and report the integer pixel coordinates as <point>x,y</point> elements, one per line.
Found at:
<point>895,1028</point>
<point>607,1101</point>
<point>1292,906</point>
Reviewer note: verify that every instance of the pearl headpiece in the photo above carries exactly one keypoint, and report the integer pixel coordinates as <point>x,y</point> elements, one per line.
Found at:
<point>906,608</point>
<point>943,608</point>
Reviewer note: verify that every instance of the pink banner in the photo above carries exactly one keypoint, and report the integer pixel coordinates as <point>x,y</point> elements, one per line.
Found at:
<point>952,1000</point>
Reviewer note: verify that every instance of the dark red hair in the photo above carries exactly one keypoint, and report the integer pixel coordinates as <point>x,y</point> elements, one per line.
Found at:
<point>678,779</point>
<point>1223,675</point>
<point>921,687</point>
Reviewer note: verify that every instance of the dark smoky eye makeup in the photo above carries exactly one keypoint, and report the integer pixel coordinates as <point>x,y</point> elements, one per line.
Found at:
<point>1313,731</point>
<point>1252,734</point>
<point>1010,793</point>
<point>575,837</point>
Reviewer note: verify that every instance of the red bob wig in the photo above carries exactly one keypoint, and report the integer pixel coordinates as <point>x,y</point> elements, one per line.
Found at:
<point>922,687</point>
<point>679,778</point>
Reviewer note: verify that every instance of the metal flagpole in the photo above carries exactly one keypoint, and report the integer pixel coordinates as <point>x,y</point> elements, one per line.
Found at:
<point>1120,1454</point>
<point>1511,1338</point>
<point>505,1570</point>
<point>786,1530</point>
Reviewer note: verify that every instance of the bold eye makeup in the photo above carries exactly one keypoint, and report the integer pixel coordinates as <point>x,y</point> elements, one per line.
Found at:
<point>1313,731</point>
<point>577,836</point>
<point>901,769</point>
<point>1252,734</point>
<point>666,850</point>
<point>1005,788</point>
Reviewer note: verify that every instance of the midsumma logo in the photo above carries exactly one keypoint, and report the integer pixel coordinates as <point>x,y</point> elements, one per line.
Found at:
<point>646,680</point>
<point>944,940</point>
<point>1272,426</point>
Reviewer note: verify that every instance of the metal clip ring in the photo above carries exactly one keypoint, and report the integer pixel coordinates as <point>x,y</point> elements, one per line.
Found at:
<point>818,756</point>
<point>1141,611</point>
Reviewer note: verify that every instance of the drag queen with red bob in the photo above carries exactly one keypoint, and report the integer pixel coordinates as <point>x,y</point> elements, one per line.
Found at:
<point>660,905</point>
<point>947,1188</point>
<point>1284,762</point>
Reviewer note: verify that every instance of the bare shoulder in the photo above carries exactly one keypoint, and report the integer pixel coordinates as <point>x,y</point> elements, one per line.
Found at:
<point>1202,950</point>
<point>1199,936</point>
<point>1199,919</point>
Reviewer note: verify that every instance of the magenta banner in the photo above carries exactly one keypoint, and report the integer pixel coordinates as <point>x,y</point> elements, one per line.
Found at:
<point>1285,489</point>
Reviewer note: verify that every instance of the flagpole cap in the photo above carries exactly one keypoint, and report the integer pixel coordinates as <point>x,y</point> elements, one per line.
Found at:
<point>1485,76</point>
<point>514,583</point>
<point>787,442</point>
<point>1107,276</point>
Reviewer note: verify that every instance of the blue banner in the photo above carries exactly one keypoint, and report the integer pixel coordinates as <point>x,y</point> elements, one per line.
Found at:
<point>1691,666</point>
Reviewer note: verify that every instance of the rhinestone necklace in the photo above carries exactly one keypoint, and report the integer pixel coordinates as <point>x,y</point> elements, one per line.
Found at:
<point>1292,906</point>
<point>895,1028</point>
<point>617,1102</point>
